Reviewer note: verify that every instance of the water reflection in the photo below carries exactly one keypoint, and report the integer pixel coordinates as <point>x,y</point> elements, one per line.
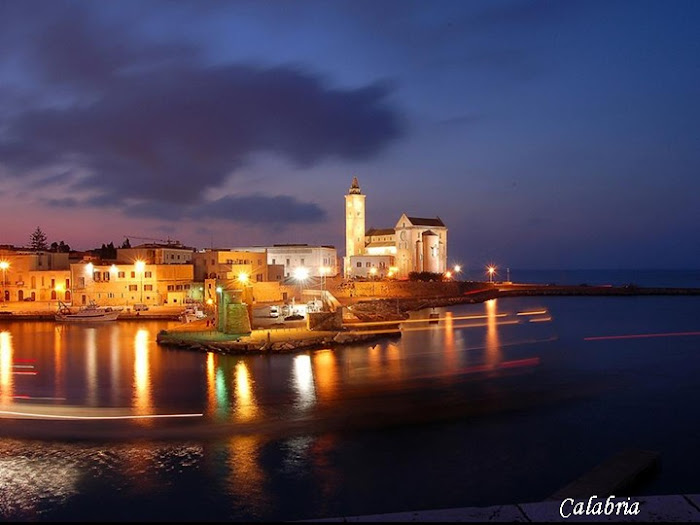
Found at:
<point>59,390</point>
<point>493,349</point>
<point>246,407</point>
<point>142,375</point>
<point>247,478</point>
<point>114,351</point>
<point>6,386</point>
<point>91,365</point>
<point>326,374</point>
<point>303,380</point>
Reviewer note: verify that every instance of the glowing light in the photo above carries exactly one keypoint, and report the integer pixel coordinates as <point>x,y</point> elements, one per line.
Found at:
<point>113,268</point>
<point>60,288</point>
<point>491,270</point>
<point>304,381</point>
<point>140,266</point>
<point>448,274</point>
<point>4,265</point>
<point>458,268</point>
<point>89,267</point>
<point>142,375</point>
<point>242,278</point>
<point>219,289</point>
<point>534,312</point>
<point>301,273</point>
<point>246,406</point>
<point>210,301</point>
<point>640,336</point>
<point>5,367</point>
<point>373,270</point>
<point>324,270</point>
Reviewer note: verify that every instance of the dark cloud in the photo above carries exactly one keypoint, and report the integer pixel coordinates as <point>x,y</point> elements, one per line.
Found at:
<point>148,121</point>
<point>257,209</point>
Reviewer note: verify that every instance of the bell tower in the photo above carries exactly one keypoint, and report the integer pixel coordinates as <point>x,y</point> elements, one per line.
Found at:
<point>354,224</point>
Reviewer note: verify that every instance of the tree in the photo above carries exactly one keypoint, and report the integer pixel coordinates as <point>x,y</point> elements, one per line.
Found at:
<point>37,240</point>
<point>126,243</point>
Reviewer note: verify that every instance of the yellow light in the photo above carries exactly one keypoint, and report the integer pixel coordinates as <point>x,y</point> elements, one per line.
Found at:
<point>210,301</point>
<point>458,268</point>
<point>243,277</point>
<point>140,266</point>
<point>393,269</point>
<point>301,274</point>
<point>372,270</point>
<point>89,267</point>
<point>491,270</point>
<point>60,288</point>
<point>113,268</point>
<point>323,270</point>
<point>4,265</point>
<point>448,274</point>
<point>390,274</point>
<point>219,289</point>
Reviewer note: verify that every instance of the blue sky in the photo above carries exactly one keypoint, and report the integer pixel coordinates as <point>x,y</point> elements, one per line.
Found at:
<point>553,134</point>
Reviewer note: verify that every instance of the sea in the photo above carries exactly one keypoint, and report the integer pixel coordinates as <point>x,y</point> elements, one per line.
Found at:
<point>500,402</point>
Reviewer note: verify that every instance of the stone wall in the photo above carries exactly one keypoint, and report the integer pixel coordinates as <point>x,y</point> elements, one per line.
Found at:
<point>236,319</point>
<point>325,320</point>
<point>267,292</point>
<point>401,289</point>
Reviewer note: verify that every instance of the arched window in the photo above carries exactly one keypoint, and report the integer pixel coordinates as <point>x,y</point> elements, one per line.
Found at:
<point>67,295</point>
<point>53,295</point>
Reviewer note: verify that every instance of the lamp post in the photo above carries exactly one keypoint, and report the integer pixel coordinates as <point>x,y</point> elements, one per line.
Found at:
<point>4,265</point>
<point>140,267</point>
<point>219,291</point>
<point>491,270</point>
<point>301,274</point>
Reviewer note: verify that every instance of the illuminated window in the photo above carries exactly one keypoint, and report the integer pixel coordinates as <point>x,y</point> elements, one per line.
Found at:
<point>147,275</point>
<point>148,287</point>
<point>133,287</point>
<point>121,275</point>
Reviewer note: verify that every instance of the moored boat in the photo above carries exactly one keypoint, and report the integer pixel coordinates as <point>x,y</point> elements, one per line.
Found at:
<point>90,313</point>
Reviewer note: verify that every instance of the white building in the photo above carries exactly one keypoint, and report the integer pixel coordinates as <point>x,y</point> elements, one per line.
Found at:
<point>318,260</point>
<point>414,244</point>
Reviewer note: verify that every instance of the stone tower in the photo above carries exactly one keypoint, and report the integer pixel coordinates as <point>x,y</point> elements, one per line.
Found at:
<point>354,224</point>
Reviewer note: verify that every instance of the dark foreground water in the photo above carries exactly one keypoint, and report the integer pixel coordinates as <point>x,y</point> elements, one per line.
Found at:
<point>500,402</point>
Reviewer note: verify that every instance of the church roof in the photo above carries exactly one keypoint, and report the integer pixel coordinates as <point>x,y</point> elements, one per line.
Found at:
<point>380,231</point>
<point>380,244</point>
<point>421,221</point>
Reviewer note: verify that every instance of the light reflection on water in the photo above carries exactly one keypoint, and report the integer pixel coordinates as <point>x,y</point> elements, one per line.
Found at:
<point>300,461</point>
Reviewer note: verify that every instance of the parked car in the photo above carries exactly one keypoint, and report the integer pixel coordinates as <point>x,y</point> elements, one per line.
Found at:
<point>140,307</point>
<point>294,317</point>
<point>30,298</point>
<point>274,311</point>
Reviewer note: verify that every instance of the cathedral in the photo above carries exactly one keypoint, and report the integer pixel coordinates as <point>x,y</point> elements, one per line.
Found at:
<point>414,244</point>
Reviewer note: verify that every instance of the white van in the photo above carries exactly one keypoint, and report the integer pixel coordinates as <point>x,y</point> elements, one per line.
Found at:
<point>274,311</point>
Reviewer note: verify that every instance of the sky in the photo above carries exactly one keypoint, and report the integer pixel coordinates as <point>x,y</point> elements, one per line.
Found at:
<point>545,134</point>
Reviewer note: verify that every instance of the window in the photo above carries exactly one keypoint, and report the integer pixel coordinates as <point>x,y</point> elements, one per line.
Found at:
<point>133,287</point>
<point>95,276</point>
<point>287,262</point>
<point>368,264</point>
<point>121,275</point>
<point>170,287</point>
<point>259,277</point>
<point>133,275</point>
<point>105,276</point>
<point>359,264</point>
<point>178,287</point>
<point>147,275</point>
<point>53,282</point>
<point>81,282</point>
<point>273,261</point>
<point>110,295</point>
<point>148,287</point>
<point>302,262</point>
<point>172,256</point>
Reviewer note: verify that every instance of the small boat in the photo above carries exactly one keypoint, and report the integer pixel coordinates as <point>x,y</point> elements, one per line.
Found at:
<point>193,313</point>
<point>90,313</point>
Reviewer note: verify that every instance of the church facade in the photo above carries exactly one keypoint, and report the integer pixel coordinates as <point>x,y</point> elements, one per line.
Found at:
<point>414,244</point>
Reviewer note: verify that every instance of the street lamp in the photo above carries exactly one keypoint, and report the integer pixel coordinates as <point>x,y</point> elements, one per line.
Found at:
<point>491,270</point>
<point>140,267</point>
<point>301,274</point>
<point>4,265</point>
